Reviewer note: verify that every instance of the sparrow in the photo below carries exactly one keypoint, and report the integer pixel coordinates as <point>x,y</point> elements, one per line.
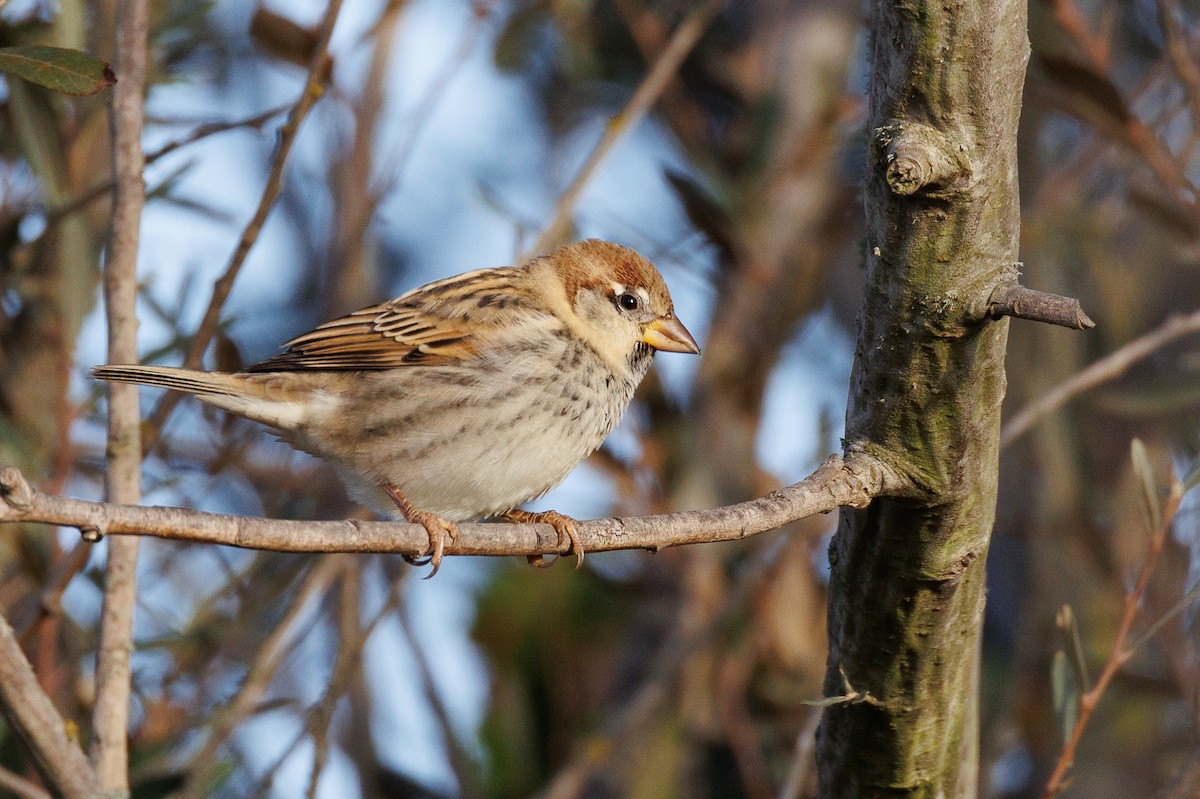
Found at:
<point>466,397</point>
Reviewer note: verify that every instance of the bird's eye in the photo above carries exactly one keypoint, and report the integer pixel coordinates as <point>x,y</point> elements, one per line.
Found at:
<point>629,302</point>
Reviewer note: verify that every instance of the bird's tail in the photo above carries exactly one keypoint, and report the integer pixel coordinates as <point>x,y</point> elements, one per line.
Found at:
<point>265,398</point>
<point>188,380</point>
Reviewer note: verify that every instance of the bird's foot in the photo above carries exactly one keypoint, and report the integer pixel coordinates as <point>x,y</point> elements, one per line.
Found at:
<point>435,526</point>
<point>564,525</point>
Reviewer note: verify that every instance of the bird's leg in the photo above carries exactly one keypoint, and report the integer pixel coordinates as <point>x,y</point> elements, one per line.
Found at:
<point>563,525</point>
<point>436,527</point>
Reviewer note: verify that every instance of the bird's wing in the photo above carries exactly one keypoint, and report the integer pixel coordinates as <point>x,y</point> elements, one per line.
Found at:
<point>449,321</point>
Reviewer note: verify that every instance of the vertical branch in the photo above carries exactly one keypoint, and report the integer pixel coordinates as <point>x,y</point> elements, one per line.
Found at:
<point>110,714</point>
<point>906,590</point>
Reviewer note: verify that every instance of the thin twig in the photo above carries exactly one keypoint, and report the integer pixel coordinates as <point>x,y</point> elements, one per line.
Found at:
<point>100,190</point>
<point>802,756</point>
<point>1120,654</point>
<point>318,73</point>
<point>685,38</point>
<point>349,660</point>
<point>258,677</point>
<point>109,750</point>
<point>435,93</point>
<point>460,760</point>
<point>837,483</point>
<point>1180,52</point>
<point>1107,368</point>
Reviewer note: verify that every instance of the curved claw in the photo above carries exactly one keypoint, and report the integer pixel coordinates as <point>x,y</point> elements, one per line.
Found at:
<point>564,525</point>
<point>435,526</point>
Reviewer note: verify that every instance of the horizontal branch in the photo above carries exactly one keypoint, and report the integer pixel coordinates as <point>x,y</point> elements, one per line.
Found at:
<point>1020,302</point>
<point>853,482</point>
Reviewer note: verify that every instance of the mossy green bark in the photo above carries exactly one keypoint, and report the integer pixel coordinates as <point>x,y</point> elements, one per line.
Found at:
<point>907,580</point>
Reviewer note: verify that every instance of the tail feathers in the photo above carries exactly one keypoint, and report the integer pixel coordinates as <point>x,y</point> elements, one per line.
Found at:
<point>168,377</point>
<point>263,398</point>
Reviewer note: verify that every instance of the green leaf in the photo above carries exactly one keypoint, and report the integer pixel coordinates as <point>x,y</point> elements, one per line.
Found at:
<point>1073,643</point>
<point>1144,472</point>
<point>1065,692</point>
<point>57,68</point>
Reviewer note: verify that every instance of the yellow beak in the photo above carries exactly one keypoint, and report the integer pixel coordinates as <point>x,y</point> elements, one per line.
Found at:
<point>669,335</point>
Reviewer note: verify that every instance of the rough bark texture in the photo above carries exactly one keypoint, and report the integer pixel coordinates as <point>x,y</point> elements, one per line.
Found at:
<point>907,584</point>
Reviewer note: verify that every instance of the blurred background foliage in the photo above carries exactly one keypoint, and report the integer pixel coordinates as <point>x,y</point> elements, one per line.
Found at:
<point>444,141</point>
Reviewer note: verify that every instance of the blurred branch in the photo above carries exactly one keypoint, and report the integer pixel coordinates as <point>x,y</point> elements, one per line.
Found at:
<point>1107,368</point>
<point>31,715</point>
<point>1179,51</point>
<point>49,603</point>
<point>318,74</point>
<point>258,678</point>
<point>1119,123</point>
<point>350,640</point>
<point>1120,654</point>
<point>738,726</point>
<point>802,756</point>
<point>686,36</point>
<point>348,664</point>
<point>20,787</point>
<point>201,132</point>
<point>347,280</point>
<point>837,483</point>
<point>1072,21</point>
<point>435,93</point>
<point>464,768</point>
<point>620,729</point>
<point>109,749</point>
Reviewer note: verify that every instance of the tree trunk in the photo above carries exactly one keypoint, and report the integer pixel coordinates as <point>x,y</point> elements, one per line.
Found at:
<point>907,583</point>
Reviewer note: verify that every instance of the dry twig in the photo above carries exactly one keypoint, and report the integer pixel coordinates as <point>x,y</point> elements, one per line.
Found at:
<point>1120,653</point>
<point>1020,302</point>
<point>837,483</point>
<point>267,661</point>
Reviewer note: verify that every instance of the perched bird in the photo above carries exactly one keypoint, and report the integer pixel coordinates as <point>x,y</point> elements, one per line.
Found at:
<point>466,397</point>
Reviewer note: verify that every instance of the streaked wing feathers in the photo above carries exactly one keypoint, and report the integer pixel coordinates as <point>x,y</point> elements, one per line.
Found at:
<point>444,322</point>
